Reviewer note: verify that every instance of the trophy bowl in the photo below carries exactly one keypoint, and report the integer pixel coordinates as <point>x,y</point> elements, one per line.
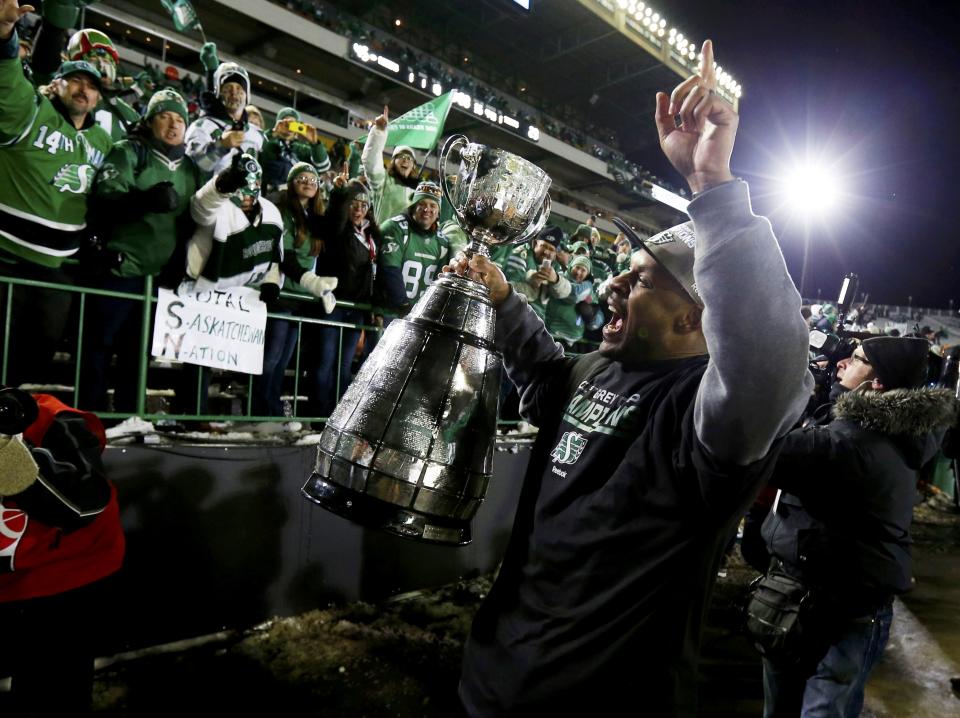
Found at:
<point>497,197</point>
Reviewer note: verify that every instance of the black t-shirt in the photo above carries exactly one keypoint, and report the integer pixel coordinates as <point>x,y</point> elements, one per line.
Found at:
<point>621,524</point>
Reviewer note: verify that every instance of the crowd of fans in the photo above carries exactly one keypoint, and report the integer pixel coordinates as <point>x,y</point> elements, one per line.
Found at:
<point>193,192</point>
<point>573,128</point>
<point>119,179</point>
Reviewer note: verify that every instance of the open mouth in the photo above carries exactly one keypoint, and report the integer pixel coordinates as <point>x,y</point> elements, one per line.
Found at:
<point>614,327</point>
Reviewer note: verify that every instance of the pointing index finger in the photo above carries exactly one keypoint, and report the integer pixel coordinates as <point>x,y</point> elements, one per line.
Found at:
<point>707,72</point>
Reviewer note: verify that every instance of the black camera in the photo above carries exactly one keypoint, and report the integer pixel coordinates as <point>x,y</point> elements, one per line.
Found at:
<point>828,348</point>
<point>17,411</point>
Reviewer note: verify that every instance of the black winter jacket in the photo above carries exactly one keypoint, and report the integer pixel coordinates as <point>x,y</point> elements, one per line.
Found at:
<point>842,521</point>
<point>344,256</point>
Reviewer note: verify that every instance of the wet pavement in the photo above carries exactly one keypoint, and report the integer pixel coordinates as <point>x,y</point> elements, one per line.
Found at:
<point>913,679</point>
<point>401,658</point>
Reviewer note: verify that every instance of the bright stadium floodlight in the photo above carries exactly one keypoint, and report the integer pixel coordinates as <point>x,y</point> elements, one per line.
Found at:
<point>812,190</point>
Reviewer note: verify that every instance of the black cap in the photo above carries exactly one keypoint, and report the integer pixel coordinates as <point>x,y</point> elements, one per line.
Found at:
<point>899,362</point>
<point>551,234</point>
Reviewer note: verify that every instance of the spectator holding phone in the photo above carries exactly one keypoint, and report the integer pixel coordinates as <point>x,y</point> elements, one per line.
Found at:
<point>568,317</point>
<point>536,274</point>
<point>289,142</point>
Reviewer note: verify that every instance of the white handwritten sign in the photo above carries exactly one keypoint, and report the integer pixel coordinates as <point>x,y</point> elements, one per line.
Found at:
<point>221,328</point>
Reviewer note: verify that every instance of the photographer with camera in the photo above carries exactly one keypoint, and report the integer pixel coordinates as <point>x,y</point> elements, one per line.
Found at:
<point>60,539</point>
<point>839,529</point>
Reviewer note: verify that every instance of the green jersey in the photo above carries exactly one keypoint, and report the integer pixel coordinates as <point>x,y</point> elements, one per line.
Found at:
<point>417,254</point>
<point>603,262</point>
<point>148,239</point>
<point>114,115</point>
<point>47,167</point>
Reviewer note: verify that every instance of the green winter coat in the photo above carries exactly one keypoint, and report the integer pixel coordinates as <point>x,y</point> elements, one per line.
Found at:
<point>148,239</point>
<point>603,262</point>
<point>304,259</point>
<point>47,168</point>
<point>294,151</point>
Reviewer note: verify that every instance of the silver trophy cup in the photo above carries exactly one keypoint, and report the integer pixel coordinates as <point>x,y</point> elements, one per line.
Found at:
<point>409,448</point>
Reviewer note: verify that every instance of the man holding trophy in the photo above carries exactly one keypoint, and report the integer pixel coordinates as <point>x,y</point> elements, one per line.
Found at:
<point>649,450</point>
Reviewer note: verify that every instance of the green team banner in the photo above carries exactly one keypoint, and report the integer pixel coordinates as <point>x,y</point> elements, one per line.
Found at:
<point>183,13</point>
<point>422,126</point>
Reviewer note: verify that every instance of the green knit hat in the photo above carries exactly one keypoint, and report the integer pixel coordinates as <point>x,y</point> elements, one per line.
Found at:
<point>167,100</point>
<point>288,113</point>
<point>426,190</point>
<point>581,261</point>
<point>300,168</point>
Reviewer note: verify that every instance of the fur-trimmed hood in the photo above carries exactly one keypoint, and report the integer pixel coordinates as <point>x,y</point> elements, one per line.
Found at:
<point>900,411</point>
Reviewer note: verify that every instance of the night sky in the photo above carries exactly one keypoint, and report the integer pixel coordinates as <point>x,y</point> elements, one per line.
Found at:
<point>872,88</point>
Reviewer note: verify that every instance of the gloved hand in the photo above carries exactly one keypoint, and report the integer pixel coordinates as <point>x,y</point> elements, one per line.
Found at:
<point>233,177</point>
<point>317,285</point>
<point>586,310</point>
<point>161,198</point>
<point>269,293</point>
<point>208,57</point>
<point>329,301</point>
<point>96,259</point>
<point>18,470</point>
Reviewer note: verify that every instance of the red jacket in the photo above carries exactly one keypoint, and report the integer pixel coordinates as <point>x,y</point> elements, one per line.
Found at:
<point>37,559</point>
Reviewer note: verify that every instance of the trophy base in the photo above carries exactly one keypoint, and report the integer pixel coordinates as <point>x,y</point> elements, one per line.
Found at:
<point>375,513</point>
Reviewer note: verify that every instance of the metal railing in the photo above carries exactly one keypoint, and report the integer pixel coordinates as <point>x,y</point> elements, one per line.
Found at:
<point>148,299</point>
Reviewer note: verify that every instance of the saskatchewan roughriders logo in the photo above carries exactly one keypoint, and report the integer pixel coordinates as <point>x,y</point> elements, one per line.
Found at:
<point>568,450</point>
<point>74,178</point>
<point>423,114</point>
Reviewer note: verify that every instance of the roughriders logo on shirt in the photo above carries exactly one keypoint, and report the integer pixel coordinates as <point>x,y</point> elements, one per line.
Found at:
<point>74,178</point>
<point>568,450</point>
<point>13,525</point>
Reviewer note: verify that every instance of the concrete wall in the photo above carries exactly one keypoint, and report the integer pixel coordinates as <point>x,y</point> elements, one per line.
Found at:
<point>220,537</point>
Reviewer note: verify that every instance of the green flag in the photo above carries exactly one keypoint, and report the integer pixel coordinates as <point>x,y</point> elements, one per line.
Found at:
<point>183,13</point>
<point>422,126</point>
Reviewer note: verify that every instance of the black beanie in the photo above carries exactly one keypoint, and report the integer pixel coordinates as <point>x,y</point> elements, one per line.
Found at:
<point>900,362</point>
<point>551,234</point>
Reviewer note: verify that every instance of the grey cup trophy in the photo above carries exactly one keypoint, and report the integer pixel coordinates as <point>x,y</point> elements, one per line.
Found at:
<point>409,448</point>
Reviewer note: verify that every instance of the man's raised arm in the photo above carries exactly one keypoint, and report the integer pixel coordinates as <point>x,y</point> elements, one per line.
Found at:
<point>757,381</point>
